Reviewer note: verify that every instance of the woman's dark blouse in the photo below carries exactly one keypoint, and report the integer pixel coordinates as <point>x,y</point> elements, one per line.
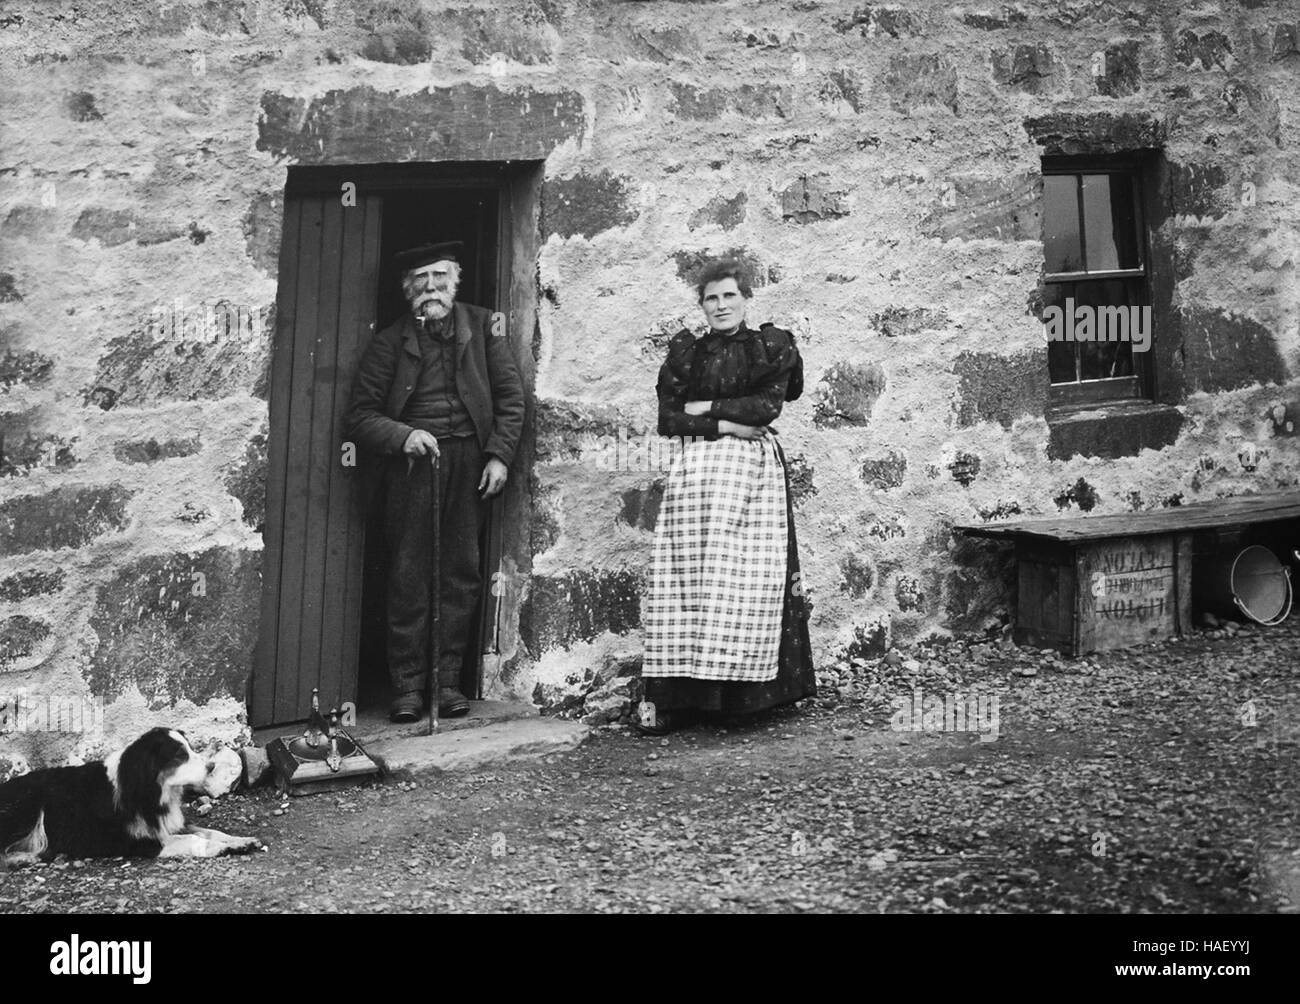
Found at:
<point>745,375</point>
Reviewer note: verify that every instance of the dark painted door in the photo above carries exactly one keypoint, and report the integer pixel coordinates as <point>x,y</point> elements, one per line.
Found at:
<point>311,574</point>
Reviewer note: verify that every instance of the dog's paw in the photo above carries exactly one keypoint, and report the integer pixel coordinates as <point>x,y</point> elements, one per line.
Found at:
<point>245,845</point>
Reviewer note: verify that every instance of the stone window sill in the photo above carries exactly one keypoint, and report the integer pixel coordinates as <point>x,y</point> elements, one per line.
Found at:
<point>1111,430</point>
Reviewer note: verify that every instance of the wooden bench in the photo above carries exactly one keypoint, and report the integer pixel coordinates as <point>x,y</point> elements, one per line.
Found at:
<point>1092,583</point>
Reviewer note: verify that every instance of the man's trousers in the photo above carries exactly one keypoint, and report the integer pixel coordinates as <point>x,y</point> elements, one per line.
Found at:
<point>409,530</point>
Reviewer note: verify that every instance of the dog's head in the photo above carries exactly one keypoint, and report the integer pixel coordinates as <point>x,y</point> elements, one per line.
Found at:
<point>154,771</point>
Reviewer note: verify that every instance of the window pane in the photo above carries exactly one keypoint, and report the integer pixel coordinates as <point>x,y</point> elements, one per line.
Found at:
<point>1061,245</point>
<point>1099,360</point>
<point>1060,355</point>
<point>1110,222</point>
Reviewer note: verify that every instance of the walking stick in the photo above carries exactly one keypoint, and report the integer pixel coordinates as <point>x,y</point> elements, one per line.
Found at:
<point>435,593</point>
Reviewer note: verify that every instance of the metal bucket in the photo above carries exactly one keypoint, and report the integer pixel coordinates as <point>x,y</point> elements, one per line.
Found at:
<point>1253,582</point>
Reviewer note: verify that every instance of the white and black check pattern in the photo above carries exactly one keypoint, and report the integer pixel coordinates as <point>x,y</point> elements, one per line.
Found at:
<point>717,582</point>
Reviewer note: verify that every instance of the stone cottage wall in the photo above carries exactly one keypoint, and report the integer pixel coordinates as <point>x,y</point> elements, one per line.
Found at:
<point>878,165</point>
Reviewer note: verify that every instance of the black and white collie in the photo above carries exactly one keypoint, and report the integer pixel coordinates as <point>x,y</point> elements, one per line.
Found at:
<point>127,806</point>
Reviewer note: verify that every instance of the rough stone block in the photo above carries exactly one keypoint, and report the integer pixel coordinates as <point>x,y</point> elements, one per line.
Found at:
<point>965,469</point>
<point>246,481</point>
<point>112,227</point>
<point>810,199</point>
<point>1111,433</point>
<point>1002,510</point>
<point>19,638</point>
<point>755,101</point>
<point>397,31</point>
<point>884,472</point>
<point>858,575</point>
<point>1194,188</point>
<point>544,524</point>
<point>1006,209</point>
<point>586,204</point>
<point>870,641</point>
<point>728,213</point>
<point>1004,17</point>
<point>879,21</point>
<point>34,582</point>
<point>142,451</point>
<point>994,388</point>
<point>1210,49</point>
<point>665,44</point>
<point>917,80</point>
<point>578,606</point>
<point>526,39</point>
<point>1027,68</point>
<point>641,505</point>
<point>404,45</point>
<point>1123,74</point>
<point>1081,494</point>
<point>908,593</point>
<point>893,322</point>
<point>1224,351</point>
<point>141,370</point>
<point>847,394</point>
<point>611,702</point>
<point>464,122</point>
<point>66,517</point>
<point>802,486</point>
<point>24,367</point>
<point>1286,42</point>
<point>262,224</point>
<point>566,428</point>
<point>177,627</point>
<point>28,221</point>
<point>843,85</point>
<point>80,107</point>
<point>257,766</point>
<point>1073,133</point>
<point>20,453</point>
<point>1284,418</point>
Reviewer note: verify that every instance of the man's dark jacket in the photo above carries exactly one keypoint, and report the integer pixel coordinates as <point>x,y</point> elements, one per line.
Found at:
<point>487,381</point>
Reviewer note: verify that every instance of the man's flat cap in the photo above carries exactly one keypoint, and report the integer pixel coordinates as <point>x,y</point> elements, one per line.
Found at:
<point>427,254</point>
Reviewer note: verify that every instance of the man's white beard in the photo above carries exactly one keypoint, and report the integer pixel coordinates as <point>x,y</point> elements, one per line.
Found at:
<point>435,310</point>
<point>432,310</point>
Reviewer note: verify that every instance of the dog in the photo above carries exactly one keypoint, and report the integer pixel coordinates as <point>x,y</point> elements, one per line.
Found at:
<point>126,806</point>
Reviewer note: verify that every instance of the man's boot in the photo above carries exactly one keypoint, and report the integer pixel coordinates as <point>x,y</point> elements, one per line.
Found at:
<point>451,702</point>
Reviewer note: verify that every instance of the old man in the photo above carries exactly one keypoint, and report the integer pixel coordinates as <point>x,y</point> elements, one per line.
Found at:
<point>438,382</point>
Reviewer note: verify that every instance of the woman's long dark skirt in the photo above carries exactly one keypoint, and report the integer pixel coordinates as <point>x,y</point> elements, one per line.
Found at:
<point>795,678</point>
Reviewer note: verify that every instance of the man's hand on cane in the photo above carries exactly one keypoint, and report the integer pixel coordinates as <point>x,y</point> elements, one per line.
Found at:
<point>420,444</point>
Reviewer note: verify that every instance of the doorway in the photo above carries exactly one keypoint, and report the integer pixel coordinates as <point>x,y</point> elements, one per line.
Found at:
<point>325,563</point>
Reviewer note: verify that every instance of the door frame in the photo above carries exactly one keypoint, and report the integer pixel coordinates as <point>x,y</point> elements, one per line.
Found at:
<point>506,545</point>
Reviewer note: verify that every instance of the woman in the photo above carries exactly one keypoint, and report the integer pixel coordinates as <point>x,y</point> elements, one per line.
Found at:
<point>726,626</point>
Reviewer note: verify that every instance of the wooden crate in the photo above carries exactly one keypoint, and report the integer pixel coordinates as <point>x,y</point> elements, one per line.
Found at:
<point>1096,595</point>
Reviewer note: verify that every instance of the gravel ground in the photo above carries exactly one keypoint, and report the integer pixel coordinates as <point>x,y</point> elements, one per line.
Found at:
<point>1161,779</point>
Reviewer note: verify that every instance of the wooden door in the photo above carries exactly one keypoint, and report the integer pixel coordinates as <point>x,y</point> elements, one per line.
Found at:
<point>311,573</point>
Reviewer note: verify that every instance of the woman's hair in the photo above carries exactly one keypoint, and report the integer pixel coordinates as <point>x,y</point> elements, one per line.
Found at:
<point>723,268</point>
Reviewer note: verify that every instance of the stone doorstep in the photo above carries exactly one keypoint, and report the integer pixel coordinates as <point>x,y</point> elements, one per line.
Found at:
<point>373,725</point>
<point>472,749</point>
<point>492,731</point>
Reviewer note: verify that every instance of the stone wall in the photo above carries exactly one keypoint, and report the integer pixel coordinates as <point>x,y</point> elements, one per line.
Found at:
<point>878,165</point>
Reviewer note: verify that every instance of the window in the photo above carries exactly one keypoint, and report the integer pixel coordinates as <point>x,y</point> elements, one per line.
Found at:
<point>1097,299</point>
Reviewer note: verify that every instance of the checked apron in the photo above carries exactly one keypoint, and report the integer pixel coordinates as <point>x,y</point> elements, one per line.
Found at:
<point>725,620</point>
